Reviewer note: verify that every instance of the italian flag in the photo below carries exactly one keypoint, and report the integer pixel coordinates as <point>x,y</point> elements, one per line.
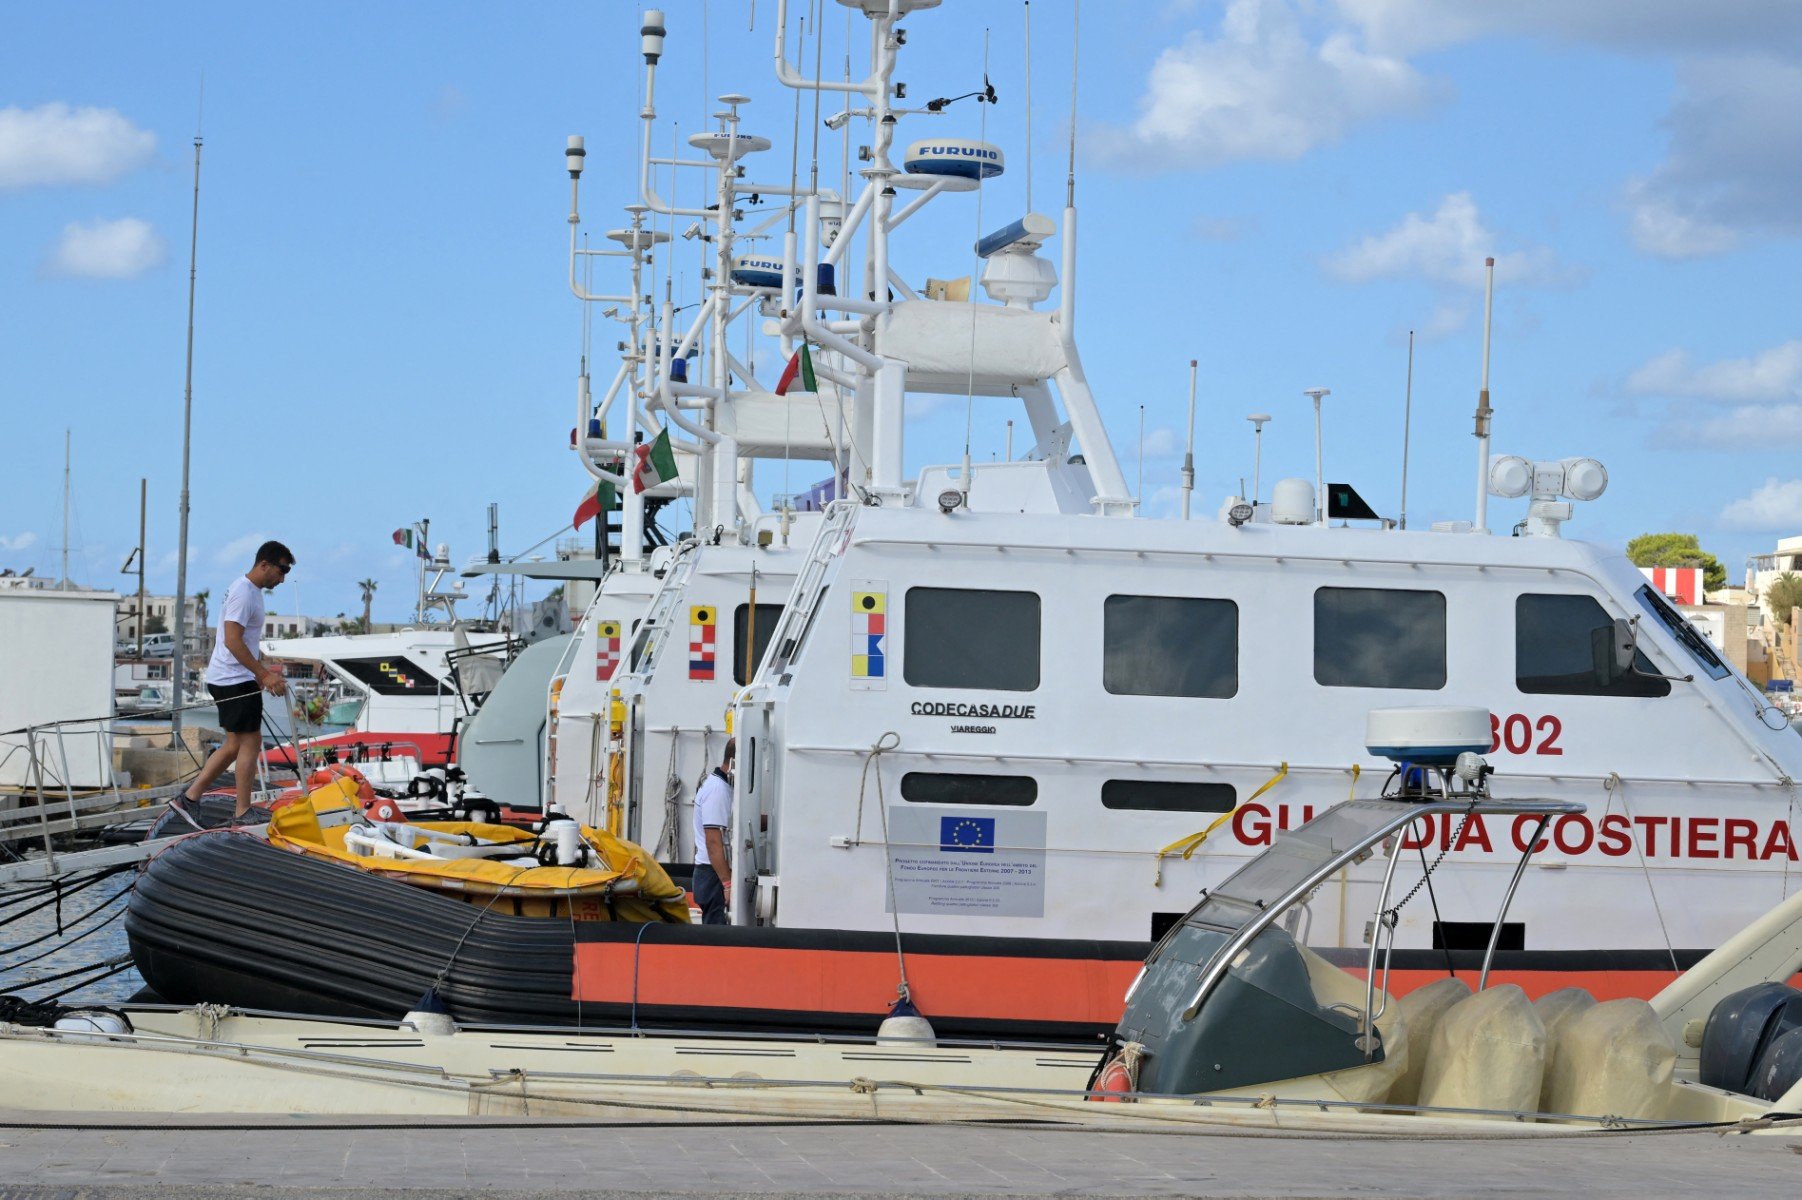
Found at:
<point>799,367</point>
<point>412,540</point>
<point>656,463</point>
<point>596,503</point>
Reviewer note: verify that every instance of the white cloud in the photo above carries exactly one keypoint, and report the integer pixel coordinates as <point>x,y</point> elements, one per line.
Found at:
<point>1660,228</point>
<point>238,551</point>
<point>1748,427</point>
<point>107,249</point>
<point>1446,319</point>
<point>1735,160</point>
<point>1279,78</point>
<point>1260,89</point>
<point>1412,26</point>
<point>1774,374</point>
<point>1775,506</point>
<point>19,541</point>
<point>54,144</point>
<point>1163,442</point>
<point>1222,229</point>
<point>1447,248</point>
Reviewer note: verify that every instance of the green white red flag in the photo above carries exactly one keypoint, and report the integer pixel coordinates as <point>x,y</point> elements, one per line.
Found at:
<point>413,540</point>
<point>799,367</point>
<point>653,464</point>
<point>602,500</point>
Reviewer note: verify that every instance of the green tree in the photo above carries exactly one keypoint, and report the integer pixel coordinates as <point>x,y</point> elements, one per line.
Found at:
<point>155,624</point>
<point>1784,594</point>
<point>368,586</point>
<point>1677,550</point>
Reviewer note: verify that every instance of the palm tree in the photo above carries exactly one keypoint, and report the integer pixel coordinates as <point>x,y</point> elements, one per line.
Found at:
<point>200,599</point>
<point>368,586</point>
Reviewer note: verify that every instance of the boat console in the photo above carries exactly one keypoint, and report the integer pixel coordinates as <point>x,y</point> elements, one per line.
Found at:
<point>1232,997</point>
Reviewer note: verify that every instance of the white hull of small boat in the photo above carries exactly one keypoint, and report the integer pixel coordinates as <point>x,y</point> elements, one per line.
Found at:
<point>200,1062</point>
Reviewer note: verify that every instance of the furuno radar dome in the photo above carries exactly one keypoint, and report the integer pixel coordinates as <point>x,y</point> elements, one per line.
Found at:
<point>961,157</point>
<point>1427,736</point>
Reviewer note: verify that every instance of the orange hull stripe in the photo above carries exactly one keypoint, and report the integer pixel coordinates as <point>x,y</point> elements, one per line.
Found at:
<point>843,981</point>
<point>1086,991</point>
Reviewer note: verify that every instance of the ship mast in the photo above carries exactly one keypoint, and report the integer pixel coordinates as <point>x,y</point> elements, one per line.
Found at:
<point>179,658</point>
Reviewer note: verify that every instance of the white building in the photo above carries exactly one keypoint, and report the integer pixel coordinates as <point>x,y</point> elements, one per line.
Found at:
<point>1762,570</point>
<point>159,615</point>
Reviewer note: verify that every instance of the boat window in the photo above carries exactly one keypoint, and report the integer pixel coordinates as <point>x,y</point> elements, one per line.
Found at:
<point>1687,635</point>
<point>1564,646</point>
<point>768,617</point>
<point>1379,638</point>
<point>393,675</point>
<point>926,787</point>
<point>1170,646</point>
<point>1162,795</point>
<point>967,638</point>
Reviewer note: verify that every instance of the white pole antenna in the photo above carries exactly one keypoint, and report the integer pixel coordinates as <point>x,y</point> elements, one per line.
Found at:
<point>1189,445</point>
<point>1484,412</point>
<point>63,583</point>
<point>1258,421</point>
<point>1407,422</point>
<point>1139,489</point>
<point>1319,475</point>
<point>1027,5</point>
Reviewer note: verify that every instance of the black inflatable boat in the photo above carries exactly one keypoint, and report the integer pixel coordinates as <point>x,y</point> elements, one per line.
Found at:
<point>224,917</point>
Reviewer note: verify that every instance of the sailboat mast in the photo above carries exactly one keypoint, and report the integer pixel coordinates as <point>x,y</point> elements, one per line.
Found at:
<point>179,659</point>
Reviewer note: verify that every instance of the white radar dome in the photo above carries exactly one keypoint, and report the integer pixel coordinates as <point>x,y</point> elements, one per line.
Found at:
<point>879,8</point>
<point>961,157</point>
<point>758,271</point>
<point>1431,736</point>
<point>1292,502</point>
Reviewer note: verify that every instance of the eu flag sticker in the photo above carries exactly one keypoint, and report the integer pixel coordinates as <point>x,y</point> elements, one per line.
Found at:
<point>969,835</point>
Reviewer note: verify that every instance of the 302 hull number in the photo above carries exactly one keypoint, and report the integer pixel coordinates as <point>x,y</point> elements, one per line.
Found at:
<point>1518,733</point>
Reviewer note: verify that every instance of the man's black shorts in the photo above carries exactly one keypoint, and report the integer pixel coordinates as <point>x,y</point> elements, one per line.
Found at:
<point>240,705</point>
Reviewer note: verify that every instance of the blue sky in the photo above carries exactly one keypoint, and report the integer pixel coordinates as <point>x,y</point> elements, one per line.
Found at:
<point>1280,190</point>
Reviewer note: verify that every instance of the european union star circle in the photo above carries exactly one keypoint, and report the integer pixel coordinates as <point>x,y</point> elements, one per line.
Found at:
<point>967,835</point>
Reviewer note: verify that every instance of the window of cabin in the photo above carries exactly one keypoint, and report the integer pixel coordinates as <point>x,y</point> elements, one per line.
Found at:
<point>1163,795</point>
<point>768,616</point>
<point>970,638</point>
<point>1379,638</point>
<point>1170,646</point>
<point>929,787</point>
<point>1687,635</point>
<point>1564,646</point>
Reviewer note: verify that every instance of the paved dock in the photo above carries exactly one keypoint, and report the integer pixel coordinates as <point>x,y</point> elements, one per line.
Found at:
<point>180,1157</point>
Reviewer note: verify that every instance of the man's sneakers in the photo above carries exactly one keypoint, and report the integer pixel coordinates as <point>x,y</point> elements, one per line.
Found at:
<point>191,811</point>
<point>181,806</point>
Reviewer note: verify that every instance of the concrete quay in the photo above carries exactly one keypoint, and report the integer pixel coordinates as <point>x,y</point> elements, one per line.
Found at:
<point>105,1158</point>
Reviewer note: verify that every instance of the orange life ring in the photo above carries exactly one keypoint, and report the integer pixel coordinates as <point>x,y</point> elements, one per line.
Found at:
<point>1114,1078</point>
<point>324,776</point>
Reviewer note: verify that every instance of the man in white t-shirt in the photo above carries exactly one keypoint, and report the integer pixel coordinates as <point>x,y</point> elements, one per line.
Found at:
<point>237,676</point>
<point>713,815</point>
